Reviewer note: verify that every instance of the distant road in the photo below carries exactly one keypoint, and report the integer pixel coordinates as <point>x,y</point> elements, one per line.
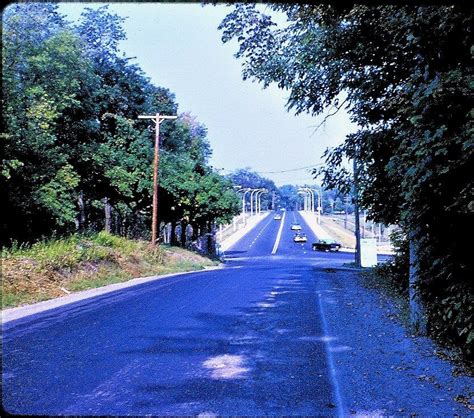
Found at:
<point>249,339</point>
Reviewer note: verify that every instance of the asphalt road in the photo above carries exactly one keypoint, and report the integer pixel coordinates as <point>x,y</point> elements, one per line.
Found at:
<point>248,339</point>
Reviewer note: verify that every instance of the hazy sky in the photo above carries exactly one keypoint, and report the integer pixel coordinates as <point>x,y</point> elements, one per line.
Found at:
<point>179,47</point>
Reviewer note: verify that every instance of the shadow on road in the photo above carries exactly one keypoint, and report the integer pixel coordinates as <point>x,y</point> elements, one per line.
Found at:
<point>265,359</point>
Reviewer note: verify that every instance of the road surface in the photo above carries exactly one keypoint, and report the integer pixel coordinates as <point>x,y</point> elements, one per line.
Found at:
<point>249,339</point>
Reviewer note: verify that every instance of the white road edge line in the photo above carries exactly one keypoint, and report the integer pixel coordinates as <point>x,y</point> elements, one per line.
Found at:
<point>332,370</point>
<point>278,237</point>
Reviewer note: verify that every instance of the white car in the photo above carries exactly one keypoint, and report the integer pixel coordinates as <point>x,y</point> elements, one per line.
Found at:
<point>300,237</point>
<point>277,217</point>
<point>295,227</point>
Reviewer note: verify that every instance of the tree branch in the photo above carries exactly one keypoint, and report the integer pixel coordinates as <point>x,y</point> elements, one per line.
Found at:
<point>328,116</point>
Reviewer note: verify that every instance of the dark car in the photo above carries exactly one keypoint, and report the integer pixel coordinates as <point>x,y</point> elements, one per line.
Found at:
<point>326,245</point>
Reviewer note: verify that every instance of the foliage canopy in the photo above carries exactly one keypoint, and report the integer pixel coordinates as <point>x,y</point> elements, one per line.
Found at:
<point>404,73</point>
<point>74,151</point>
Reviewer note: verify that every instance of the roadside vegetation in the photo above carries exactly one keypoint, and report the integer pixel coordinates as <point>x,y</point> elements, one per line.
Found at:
<point>404,74</point>
<point>76,158</point>
<point>388,279</point>
<point>57,267</point>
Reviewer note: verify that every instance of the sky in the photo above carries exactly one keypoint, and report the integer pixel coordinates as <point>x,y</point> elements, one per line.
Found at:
<point>179,47</point>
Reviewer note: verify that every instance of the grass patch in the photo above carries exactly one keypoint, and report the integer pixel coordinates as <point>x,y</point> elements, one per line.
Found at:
<point>54,268</point>
<point>105,276</point>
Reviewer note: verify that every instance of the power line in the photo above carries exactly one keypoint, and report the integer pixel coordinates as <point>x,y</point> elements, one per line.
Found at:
<point>296,180</point>
<point>287,171</point>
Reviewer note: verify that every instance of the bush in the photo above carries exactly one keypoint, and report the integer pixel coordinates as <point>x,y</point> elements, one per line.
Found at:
<point>395,271</point>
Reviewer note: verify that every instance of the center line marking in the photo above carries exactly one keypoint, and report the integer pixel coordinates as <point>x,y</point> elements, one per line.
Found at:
<point>278,237</point>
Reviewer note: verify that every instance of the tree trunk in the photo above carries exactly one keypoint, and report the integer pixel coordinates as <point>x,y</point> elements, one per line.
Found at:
<point>183,238</point>
<point>173,233</point>
<point>211,242</point>
<point>82,212</point>
<point>417,316</point>
<point>108,215</point>
<point>195,234</point>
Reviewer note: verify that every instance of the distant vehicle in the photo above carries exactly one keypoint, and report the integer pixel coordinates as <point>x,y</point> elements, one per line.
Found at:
<point>277,217</point>
<point>300,237</point>
<point>295,226</point>
<point>326,245</point>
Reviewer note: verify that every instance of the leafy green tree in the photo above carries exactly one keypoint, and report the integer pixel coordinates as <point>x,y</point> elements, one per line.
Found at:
<point>58,195</point>
<point>43,75</point>
<point>75,155</point>
<point>197,195</point>
<point>405,76</point>
<point>289,197</point>
<point>246,178</point>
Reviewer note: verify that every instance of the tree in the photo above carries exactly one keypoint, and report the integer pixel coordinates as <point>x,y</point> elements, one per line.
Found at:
<point>289,197</point>
<point>76,157</point>
<point>404,75</point>
<point>246,178</point>
<point>43,77</point>
<point>198,195</point>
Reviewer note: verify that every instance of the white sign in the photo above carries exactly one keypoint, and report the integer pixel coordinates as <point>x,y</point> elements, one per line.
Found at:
<point>368,252</point>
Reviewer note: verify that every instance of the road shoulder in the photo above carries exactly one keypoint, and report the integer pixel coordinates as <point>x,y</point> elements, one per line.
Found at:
<point>252,222</point>
<point>13,314</point>
<point>382,370</point>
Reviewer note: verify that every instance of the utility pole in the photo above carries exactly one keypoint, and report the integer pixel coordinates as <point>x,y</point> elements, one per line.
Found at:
<point>364,219</point>
<point>356,213</point>
<point>154,222</point>
<point>346,202</point>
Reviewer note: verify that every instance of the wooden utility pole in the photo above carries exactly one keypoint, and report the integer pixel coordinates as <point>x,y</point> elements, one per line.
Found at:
<point>356,213</point>
<point>154,222</point>
<point>346,203</point>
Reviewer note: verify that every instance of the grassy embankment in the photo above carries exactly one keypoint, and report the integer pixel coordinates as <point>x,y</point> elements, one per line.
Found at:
<point>57,267</point>
<point>344,236</point>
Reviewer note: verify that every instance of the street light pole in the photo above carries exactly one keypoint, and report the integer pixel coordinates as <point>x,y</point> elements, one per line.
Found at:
<point>154,222</point>
<point>257,206</point>
<point>243,199</point>
<point>320,199</point>
<point>308,198</point>
<point>264,191</point>
<point>257,191</point>
<point>251,200</point>
<point>258,198</point>
<point>311,206</point>
<point>305,195</point>
<point>319,203</point>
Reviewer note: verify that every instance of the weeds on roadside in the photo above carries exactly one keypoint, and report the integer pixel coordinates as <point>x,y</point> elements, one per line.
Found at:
<point>55,267</point>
